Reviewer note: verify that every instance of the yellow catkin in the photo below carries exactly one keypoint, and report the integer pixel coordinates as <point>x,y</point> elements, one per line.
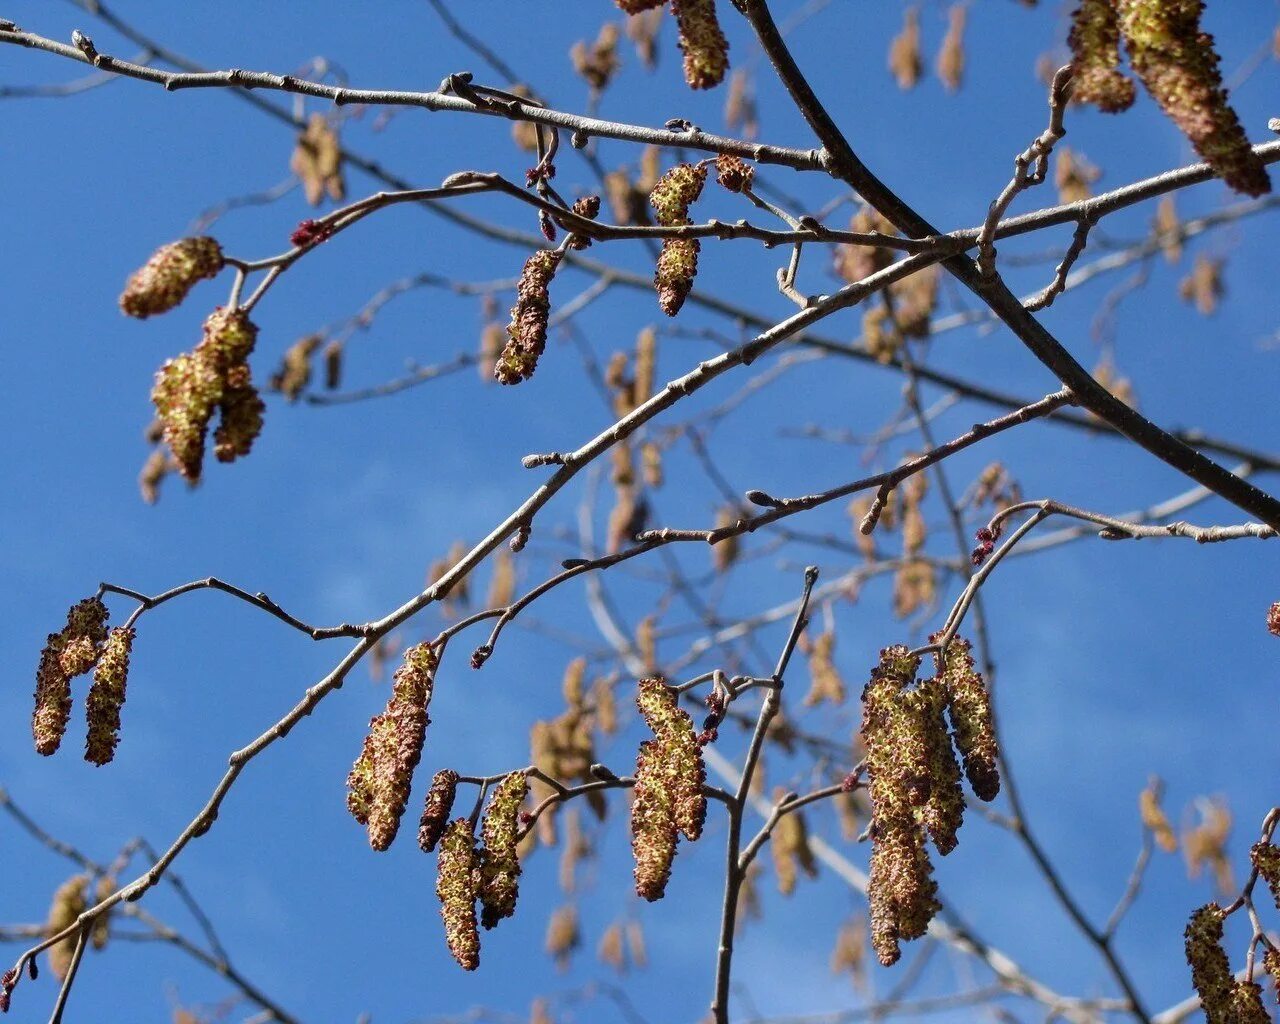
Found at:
<point>69,902</point>
<point>702,41</point>
<point>106,696</point>
<point>457,875</point>
<point>500,867</point>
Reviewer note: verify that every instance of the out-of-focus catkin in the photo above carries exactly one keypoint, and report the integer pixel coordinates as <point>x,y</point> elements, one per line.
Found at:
<point>106,696</point>
<point>457,881</point>
<point>1095,57</point>
<point>169,275</point>
<point>702,41</point>
<point>1177,63</point>
<point>380,780</point>
<point>500,867</point>
<point>527,332</point>
<point>69,902</point>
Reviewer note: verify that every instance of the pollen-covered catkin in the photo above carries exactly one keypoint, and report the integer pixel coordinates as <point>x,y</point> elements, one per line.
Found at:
<point>527,332</point>
<point>685,774</point>
<point>106,696</point>
<point>1095,57</point>
<point>171,272</point>
<point>379,782</point>
<point>943,812</point>
<point>500,867</point>
<point>457,879</point>
<point>214,376</point>
<point>1210,970</point>
<point>436,808</point>
<point>653,827</point>
<point>676,191</point>
<point>972,725</point>
<point>677,267</point>
<point>67,653</point>
<point>1177,63</point>
<point>1266,859</point>
<point>702,41</point>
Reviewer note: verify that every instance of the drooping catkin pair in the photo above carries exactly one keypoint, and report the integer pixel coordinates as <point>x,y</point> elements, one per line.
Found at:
<point>81,644</point>
<point>467,873</point>
<point>379,783</point>
<point>211,379</point>
<point>701,39</point>
<point>677,266</point>
<point>668,800</point>
<point>1178,65</point>
<point>914,780</point>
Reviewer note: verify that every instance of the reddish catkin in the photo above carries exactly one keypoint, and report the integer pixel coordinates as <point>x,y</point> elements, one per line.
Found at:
<point>500,867</point>
<point>1179,66</point>
<point>436,809</point>
<point>379,782</point>
<point>1095,57</point>
<point>171,272</point>
<point>702,41</point>
<point>457,877</point>
<point>734,173</point>
<point>527,332</point>
<point>106,696</point>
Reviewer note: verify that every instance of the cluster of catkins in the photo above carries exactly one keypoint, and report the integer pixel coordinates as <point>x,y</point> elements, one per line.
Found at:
<point>914,780</point>
<point>1178,65</point>
<point>668,799</point>
<point>702,41</point>
<point>467,873</point>
<point>211,379</point>
<point>83,644</point>
<point>1224,998</point>
<point>378,791</point>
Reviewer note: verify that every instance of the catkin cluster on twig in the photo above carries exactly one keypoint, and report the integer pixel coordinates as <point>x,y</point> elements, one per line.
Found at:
<point>68,653</point>
<point>379,782</point>
<point>214,377</point>
<point>527,332</point>
<point>914,780</point>
<point>668,791</point>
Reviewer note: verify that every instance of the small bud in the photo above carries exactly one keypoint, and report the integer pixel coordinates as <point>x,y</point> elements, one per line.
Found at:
<point>171,272</point>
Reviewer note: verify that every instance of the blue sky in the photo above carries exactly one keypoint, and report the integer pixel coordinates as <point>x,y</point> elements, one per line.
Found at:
<point>1115,661</point>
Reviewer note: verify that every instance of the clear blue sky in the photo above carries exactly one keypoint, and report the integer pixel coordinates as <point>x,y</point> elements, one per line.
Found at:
<point>1115,661</point>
